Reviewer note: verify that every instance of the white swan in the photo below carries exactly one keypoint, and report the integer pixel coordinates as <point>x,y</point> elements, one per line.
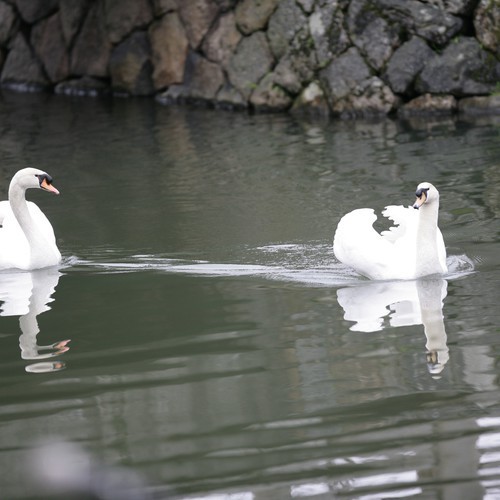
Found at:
<point>412,249</point>
<point>27,239</point>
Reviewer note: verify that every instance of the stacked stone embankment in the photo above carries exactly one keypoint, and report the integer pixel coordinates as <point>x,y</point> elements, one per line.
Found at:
<point>343,57</point>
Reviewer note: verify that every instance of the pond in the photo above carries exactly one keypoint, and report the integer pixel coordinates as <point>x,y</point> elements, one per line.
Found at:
<point>201,340</point>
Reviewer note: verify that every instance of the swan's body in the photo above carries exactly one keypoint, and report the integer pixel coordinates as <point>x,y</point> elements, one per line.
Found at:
<point>414,248</point>
<point>27,239</point>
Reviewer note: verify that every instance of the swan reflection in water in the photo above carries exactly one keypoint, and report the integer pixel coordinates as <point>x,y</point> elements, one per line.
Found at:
<point>401,303</point>
<point>28,294</point>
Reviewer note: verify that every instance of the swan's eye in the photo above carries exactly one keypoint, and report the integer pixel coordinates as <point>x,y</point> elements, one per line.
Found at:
<point>44,178</point>
<point>421,191</point>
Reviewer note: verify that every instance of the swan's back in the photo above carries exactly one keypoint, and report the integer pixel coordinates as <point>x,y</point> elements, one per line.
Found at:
<point>358,245</point>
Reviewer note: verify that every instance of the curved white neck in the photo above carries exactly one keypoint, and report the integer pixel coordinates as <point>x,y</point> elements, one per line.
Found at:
<point>17,199</point>
<point>428,219</point>
<point>427,253</point>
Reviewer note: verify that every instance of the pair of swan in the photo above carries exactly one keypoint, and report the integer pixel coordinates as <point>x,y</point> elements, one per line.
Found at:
<point>412,249</point>
<point>27,239</point>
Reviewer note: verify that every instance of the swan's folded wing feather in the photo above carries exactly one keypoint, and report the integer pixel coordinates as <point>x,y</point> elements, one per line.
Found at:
<point>404,218</point>
<point>359,246</point>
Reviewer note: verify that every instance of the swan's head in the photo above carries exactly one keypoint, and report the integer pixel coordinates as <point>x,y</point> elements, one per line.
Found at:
<point>425,193</point>
<point>34,178</point>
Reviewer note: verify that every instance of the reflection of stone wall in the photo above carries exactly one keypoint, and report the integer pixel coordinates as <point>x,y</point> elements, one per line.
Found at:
<point>347,57</point>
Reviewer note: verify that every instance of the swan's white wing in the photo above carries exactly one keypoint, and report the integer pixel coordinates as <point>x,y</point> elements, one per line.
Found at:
<point>359,246</point>
<point>405,220</point>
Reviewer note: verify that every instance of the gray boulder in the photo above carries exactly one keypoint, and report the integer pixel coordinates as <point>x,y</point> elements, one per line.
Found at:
<point>225,5</point>
<point>285,23</point>
<point>161,7</point>
<point>300,58</point>
<point>311,101</point>
<point>130,65</point>
<point>375,37</point>
<point>124,16</point>
<point>487,25</point>
<point>202,82</point>
<point>428,104</point>
<point>8,22</point>
<point>254,15</point>
<point>462,69</point>
<point>21,68</point>
<point>169,46</point>
<point>175,94</point>
<point>222,40</point>
<point>345,75</point>
<point>92,49</point>
<point>72,14</point>
<point>458,7</point>
<point>251,61</point>
<point>286,76</point>
<point>197,17</point>
<point>352,91</point>
<point>307,5</point>
<point>480,105</point>
<point>374,99</point>
<point>229,98</point>
<point>202,78</point>
<point>48,41</point>
<point>427,21</point>
<point>406,63</point>
<point>268,96</point>
<point>33,10</point>
<point>326,25</point>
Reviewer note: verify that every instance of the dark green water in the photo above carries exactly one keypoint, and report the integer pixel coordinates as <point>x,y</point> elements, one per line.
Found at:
<point>217,348</point>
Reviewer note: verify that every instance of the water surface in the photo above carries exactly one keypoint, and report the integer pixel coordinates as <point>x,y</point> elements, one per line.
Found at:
<point>201,334</point>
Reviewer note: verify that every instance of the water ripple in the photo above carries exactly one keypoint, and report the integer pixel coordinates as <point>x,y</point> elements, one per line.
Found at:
<point>308,264</point>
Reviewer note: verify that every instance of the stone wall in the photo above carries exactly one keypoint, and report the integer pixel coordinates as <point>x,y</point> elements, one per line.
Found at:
<point>342,57</point>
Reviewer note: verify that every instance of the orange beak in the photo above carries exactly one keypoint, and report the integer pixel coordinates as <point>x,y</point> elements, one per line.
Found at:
<point>420,200</point>
<point>48,187</point>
